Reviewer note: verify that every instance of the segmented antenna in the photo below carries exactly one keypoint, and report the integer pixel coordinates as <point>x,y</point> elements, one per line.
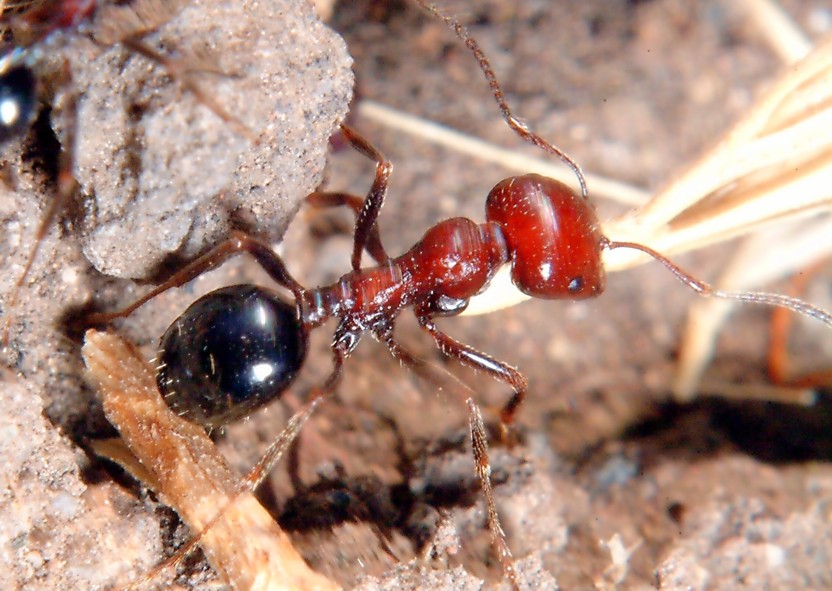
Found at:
<point>707,290</point>
<point>518,126</point>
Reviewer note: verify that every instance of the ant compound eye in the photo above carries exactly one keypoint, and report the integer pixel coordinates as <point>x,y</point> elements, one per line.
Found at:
<point>576,284</point>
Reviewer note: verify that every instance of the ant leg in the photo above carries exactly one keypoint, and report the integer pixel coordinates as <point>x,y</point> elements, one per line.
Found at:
<point>63,193</point>
<point>339,354</point>
<point>266,464</point>
<point>257,474</point>
<point>778,350</point>
<point>481,361</point>
<point>236,244</point>
<point>479,445</point>
<point>66,186</point>
<point>178,70</point>
<point>373,243</point>
<point>371,207</point>
<point>246,486</point>
<point>417,365</point>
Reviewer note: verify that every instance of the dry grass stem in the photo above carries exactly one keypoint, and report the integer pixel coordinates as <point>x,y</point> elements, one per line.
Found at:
<point>244,544</point>
<point>511,160</point>
<point>778,29</point>
<point>776,164</point>
<point>799,244</point>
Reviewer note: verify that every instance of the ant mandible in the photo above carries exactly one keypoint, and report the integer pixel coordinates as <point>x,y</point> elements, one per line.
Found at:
<point>238,348</point>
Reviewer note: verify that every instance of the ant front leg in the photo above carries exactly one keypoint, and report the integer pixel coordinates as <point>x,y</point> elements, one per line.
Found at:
<point>180,71</point>
<point>481,361</point>
<point>238,243</point>
<point>65,188</point>
<point>365,225</point>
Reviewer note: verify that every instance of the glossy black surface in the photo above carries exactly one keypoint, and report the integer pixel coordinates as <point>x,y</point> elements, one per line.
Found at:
<point>18,101</point>
<point>232,351</point>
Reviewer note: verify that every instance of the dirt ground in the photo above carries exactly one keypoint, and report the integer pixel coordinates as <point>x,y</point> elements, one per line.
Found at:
<point>709,495</point>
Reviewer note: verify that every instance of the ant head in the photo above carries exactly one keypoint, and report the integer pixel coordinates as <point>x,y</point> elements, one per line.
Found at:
<point>18,100</point>
<point>553,236</point>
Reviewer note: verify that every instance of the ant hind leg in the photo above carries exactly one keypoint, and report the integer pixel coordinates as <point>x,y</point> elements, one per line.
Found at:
<point>372,245</point>
<point>236,244</point>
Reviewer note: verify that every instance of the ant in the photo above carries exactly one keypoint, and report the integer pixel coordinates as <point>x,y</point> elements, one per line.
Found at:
<point>30,26</point>
<point>238,348</point>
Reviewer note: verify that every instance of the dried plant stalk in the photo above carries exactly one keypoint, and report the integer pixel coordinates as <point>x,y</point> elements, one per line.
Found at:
<point>775,164</point>
<point>244,544</point>
<point>509,159</point>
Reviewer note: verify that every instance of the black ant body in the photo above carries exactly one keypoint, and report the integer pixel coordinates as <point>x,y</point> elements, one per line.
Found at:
<point>18,82</point>
<point>238,348</point>
<point>30,28</point>
<point>19,106</point>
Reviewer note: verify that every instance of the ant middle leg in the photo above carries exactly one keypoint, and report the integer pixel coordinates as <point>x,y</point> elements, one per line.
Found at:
<point>239,242</point>
<point>373,245</point>
<point>479,439</point>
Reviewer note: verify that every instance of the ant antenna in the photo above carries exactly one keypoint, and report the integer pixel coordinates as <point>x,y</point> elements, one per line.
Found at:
<point>707,290</point>
<point>514,123</point>
<point>65,188</point>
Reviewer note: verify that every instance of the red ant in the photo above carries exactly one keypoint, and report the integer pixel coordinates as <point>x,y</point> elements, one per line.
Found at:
<point>240,347</point>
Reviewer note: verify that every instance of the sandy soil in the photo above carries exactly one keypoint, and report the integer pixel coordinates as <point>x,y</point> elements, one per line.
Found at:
<point>712,495</point>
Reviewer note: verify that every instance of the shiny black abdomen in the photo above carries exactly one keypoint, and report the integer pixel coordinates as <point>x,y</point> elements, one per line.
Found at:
<point>232,351</point>
<point>18,101</point>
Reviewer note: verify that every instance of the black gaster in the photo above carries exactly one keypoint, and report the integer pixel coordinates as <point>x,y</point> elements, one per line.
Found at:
<point>18,101</point>
<point>231,352</point>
